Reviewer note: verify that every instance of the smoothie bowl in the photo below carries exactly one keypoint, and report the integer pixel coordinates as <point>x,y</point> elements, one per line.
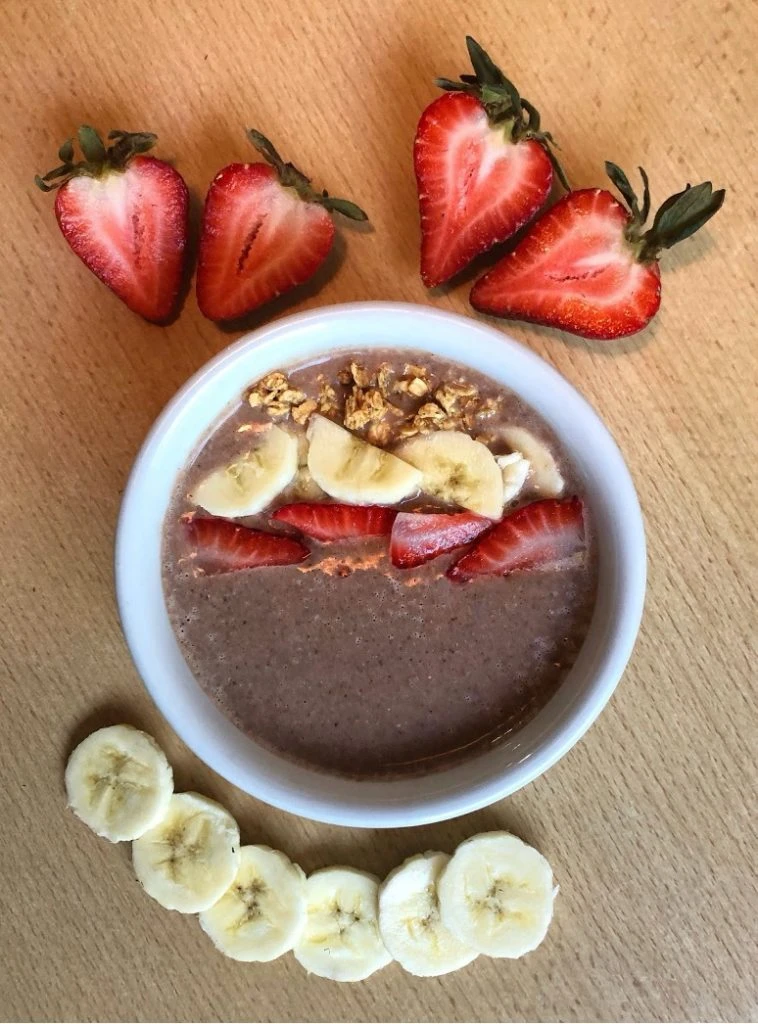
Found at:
<point>379,565</point>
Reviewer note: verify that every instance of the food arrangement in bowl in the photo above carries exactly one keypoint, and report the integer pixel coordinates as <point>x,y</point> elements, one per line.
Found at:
<point>377,566</point>
<point>351,546</point>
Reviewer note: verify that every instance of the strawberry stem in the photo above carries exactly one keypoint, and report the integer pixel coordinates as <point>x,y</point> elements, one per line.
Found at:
<point>680,216</point>
<point>503,103</point>
<point>97,157</point>
<point>291,177</point>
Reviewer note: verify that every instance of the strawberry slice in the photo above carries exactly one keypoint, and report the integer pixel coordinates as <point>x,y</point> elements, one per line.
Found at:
<point>265,230</point>
<point>329,522</point>
<point>417,537</point>
<point>587,267</point>
<point>534,535</point>
<point>222,546</point>
<point>125,216</point>
<point>483,167</point>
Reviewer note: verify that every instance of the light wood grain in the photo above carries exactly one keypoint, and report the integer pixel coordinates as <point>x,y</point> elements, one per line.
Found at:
<point>650,821</point>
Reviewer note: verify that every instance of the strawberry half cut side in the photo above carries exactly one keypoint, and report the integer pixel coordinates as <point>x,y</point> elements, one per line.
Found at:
<point>484,167</point>
<point>327,522</point>
<point>265,230</point>
<point>125,215</point>
<point>221,546</point>
<point>418,537</point>
<point>535,535</point>
<point>588,266</point>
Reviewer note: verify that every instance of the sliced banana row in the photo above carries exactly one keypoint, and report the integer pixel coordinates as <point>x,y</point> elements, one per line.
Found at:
<point>448,465</point>
<point>434,914</point>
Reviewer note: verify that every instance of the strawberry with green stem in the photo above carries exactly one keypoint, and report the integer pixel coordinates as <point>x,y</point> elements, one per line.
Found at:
<point>484,167</point>
<point>589,265</point>
<point>265,230</point>
<point>125,215</point>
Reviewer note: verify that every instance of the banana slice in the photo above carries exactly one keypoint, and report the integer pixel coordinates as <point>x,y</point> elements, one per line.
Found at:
<point>409,919</point>
<point>353,470</point>
<point>262,913</point>
<point>341,939</point>
<point>515,469</point>
<point>119,782</point>
<point>457,469</point>
<point>545,479</point>
<point>189,859</point>
<point>496,895</point>
<point>253,480</point>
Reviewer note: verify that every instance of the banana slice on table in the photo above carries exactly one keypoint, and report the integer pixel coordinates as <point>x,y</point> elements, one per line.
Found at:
<point>189,859</point>
<point>515,469</point>
<point>410,923</point>
<point>119,782</point>
<point>341,939</point>
<point>457,469</point>
<point>252,480</point>
<point>352,470</point>
<point>545,478</point>
<point>496,895</point>
<point>262,913</point>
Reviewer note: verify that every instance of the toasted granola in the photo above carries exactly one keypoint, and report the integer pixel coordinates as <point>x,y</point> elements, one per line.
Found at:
<point>379,434</point>
<point>453,396</point>
<point>364,406</point>
<point>384,376</point>
<point>327,399</point>
<point>303,412</point>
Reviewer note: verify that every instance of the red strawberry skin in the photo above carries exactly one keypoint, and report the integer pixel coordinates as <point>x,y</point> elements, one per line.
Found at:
<point>331,522</point>
<point>258,239</point>
<point>574,270</point>
<point>130,228</point>
<point>534,535</point>
<point>222,546</point>
<point>475,186</point>
<point>417,537</point>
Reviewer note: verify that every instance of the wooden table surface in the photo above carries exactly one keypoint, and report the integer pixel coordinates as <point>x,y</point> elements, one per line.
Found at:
<point>650,821</point>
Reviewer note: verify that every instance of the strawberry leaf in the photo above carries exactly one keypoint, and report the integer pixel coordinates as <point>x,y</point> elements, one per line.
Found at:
<point>680,216</point>
<point>66,152</point>
<point>91,145</point>
<point>623,184</point>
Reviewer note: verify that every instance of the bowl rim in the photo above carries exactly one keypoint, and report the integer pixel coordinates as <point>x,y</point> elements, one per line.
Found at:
<point>381,812</point>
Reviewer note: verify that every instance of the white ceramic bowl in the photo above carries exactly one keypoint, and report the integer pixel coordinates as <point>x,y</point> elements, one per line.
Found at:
<point>442,794</point>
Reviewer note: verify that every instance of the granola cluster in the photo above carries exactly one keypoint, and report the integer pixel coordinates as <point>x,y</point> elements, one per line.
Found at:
<point>385,404</point>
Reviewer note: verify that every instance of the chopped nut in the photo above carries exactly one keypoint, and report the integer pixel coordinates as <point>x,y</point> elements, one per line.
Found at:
<point>379,434</point>
<point>363,407</point>
<point>302,413</point>
<point>327,398</point>
<point>418,387</point>
<point>361,376</point>
<point>383,375</point>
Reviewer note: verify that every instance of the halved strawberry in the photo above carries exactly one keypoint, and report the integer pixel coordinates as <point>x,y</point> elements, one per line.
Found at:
<point>534,535</point>
<point>587,267</point>
<point>483,167</point>
<point>125,216</point>
<point>223,546</point>
<point>265,230</point>
<point>329,522</point>
<point>417,537</point>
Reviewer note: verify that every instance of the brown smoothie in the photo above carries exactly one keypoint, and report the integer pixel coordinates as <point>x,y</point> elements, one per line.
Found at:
<point>351,666</point>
